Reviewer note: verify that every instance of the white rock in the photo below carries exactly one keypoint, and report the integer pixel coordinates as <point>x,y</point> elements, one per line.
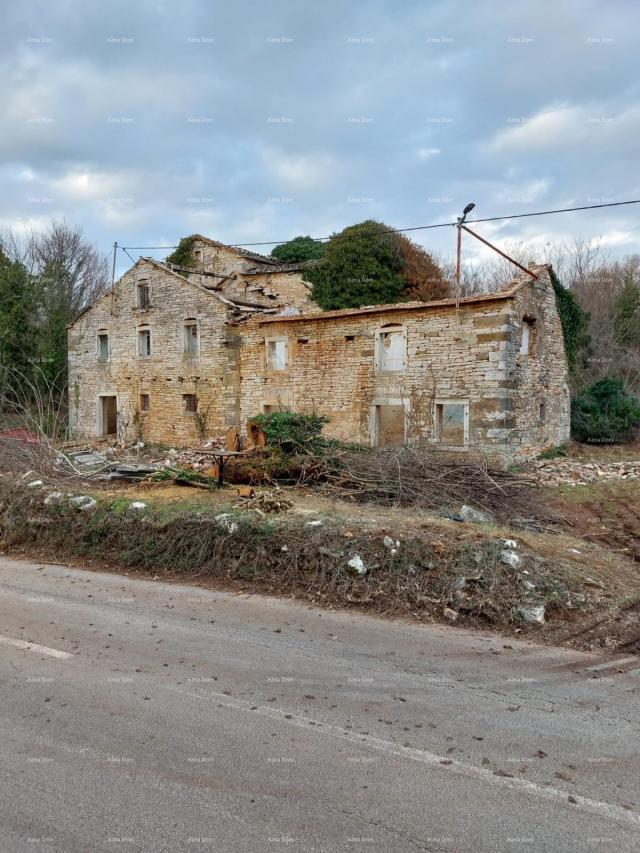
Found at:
<point>227,522</point>
<point>535,615</point>
<point>313,524</point>
<point>83,503</point>
<point>357,564</point>
<point>54,499</point>
<point>470,513</point>
<point>35,484</point>
<point>510,543</point>
<point>510,558</point>
<point>136,506</point>
<point>391,544</point>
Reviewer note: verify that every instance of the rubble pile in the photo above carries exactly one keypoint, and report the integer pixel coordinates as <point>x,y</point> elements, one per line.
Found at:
<point>574,473</point>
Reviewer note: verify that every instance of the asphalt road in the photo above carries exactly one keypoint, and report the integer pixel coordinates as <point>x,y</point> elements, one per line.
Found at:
<point>146,716</point>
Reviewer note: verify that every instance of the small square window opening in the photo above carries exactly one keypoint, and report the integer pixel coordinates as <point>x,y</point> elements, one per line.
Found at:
<point>190,403</point>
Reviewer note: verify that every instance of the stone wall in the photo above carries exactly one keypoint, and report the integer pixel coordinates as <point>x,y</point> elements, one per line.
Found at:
<point>167,374</point>
<point>270,290</point>
<point>468,361</point>
<point>470,356</point>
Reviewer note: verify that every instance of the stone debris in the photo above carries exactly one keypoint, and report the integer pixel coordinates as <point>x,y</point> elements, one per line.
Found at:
<point>83,503</point>
<point>534,615</point>
<point>227,522</point>
<point>357,566</point>
<point>54,499</point>
<point>450,614</point>
<point>510,558</point>
<point>35,484</point>
<point>574,473</point>
<point>470,513</point>
<point>136,507</point>
<point>391,544</point>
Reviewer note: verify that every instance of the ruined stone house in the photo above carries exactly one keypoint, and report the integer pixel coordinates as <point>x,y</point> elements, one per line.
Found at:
<point>176,355</point>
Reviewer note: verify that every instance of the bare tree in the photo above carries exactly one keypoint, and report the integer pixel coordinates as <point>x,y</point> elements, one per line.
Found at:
<point>72,272</point>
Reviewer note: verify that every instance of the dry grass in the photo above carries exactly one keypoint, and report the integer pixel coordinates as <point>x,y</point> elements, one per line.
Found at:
<point>419,576</point>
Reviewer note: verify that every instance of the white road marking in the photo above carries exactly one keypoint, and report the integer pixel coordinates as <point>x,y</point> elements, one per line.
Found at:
<point>596,807</point>
<point>610,663</point>
<point>34,647</point>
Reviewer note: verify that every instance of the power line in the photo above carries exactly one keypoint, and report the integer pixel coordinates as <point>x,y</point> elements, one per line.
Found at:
<point>420,227</point>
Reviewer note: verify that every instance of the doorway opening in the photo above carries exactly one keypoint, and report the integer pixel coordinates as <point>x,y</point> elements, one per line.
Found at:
<point>390,426</point>
<point>108,416</point>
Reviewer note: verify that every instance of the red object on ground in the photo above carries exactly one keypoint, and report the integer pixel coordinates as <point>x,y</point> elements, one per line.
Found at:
<point>20,434</point>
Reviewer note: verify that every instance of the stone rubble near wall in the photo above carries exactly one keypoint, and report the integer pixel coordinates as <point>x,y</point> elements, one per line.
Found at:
<point>574,473</point>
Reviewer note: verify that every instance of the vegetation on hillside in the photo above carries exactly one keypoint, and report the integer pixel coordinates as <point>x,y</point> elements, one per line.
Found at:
<point>605,412</point>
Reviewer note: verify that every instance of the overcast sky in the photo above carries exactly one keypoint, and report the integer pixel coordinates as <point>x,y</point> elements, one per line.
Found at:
<point>251,121</point>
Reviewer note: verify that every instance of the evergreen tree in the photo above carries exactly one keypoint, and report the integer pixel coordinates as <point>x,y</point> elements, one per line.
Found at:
<point>18,316</point>
<point>361,266</point>
<point>299,249</point>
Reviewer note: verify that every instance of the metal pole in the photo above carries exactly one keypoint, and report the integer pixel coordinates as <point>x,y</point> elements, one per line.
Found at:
<point>458,261</point>
<point>113,267</point>
<point>499,251</point>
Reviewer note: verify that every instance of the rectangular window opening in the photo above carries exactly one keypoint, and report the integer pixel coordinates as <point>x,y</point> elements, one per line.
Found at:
<point>144,342</point>
<point>542,413</point>
<point>191,342</point>
<point>145,402</point>
<point>391,350</point>
<point>190,403</point>
<point>143,295</point>
<point>528,336</point>
<point>103,346</point>
<point>277,355</point>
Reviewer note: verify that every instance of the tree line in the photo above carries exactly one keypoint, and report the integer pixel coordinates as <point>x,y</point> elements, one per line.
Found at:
<point>46,279</point>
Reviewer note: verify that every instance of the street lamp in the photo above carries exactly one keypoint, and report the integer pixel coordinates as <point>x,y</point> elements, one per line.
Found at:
<point>461,219</point>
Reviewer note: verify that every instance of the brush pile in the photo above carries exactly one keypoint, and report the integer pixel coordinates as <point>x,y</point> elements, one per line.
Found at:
<point>428,478</point>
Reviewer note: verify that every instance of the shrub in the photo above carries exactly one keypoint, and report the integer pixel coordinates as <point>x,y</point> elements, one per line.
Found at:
<point>292,432</point>
<point>605,412</point>
<point>183,255</point>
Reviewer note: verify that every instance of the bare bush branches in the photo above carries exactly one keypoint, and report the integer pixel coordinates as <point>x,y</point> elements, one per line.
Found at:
<point>428,478</point>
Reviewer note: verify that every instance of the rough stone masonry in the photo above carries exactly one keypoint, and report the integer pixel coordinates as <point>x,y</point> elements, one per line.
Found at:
<point>174,356</point>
